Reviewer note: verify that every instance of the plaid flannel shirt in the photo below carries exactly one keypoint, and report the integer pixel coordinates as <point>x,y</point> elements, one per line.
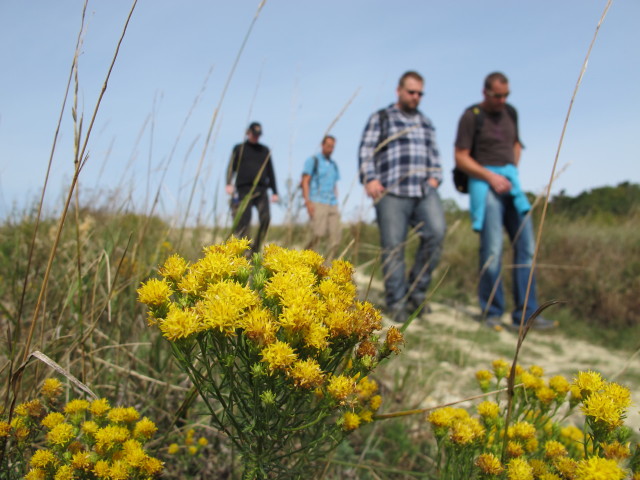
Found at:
<point>408,160</point>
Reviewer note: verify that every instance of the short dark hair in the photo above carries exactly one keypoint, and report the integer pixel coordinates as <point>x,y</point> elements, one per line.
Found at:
<point>410,74</point>
<point>328,137</point>
<point>492,77</point>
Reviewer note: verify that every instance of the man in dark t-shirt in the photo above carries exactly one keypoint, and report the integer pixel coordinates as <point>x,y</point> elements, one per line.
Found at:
<point>488,149</point>
<point>252,167</point>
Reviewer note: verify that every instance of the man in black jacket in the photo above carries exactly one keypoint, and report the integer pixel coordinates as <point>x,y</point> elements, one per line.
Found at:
<point>253,170</point>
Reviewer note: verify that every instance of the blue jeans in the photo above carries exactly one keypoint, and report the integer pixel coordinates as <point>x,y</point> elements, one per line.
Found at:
<point>395,215</point>
<point>500,212</point>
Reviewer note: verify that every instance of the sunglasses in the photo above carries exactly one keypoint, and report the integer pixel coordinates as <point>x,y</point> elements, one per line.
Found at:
<point>415,92</point>
<point>497,95</point>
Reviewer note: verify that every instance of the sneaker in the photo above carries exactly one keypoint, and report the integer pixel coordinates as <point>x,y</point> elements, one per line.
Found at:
<point>540,323</point>
<point>494,323</point>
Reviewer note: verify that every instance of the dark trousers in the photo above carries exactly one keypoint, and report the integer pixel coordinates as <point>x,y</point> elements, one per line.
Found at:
<point>260,200</point>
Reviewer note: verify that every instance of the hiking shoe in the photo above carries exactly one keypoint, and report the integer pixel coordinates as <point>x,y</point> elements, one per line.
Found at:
<point>539,323</point>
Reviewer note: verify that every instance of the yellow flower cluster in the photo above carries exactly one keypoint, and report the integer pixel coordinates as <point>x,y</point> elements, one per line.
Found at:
<point>296,313</point>
<point>191,445</point>
<point>606,403</point>
<point>536,446</point>
<point>84,439</point>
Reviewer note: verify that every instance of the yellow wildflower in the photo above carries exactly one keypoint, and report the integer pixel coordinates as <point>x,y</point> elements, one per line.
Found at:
<point>466,430</point>
<point>536,370</point>
<point>110,436</point>
<point>351,421</point>
<point>174,267</point>
<point>32,408</point>
<point>76,406</point>
<point>484,378</point>
<point>82,461</point>
<point>500,368</point>
<point>306,373</point>
<point>566,466</point>
<point>616,450</point>
<point>101,469</point>
<point>366,348</point>
<point>597,468</point>
<point>489,464</point>
<point>602,408</point>
<point>366,388</point>
<point>316,336</point>
<point>341,387</point>
<point>488,410</point>
<point>123,414</point>
<point>192,450</point>
<point>180,323</point>
<point>5,429</point>
<point>152,466</point>
<point>203,442</point>
<point>65,472</point>
<point>530,381</point>
<point>368,319</point>
<point>119,470</point>
<point>553,449</point>
<point>61,434</point>
<point>519,469</point>
<point>154,292</point>
<point>571,432</point>
<point>444,417</point>
<point>366,416</point>
<point>145,428</point>
<point>259,326</point>
<point>279,355</point>
<point>192,283</point>
<point>53,419</point>
<point>539,467</point>
<point>522,430</point>
<point>43,458</point>
<point>223,304</point>
<point>394,339</point>
<point>375,402</point>
<point>619,394</point>
<point>514,449</point>
<point>546,395</point>
<point>99,407</point>
<point>560,385</point>
<point>588,382</point>
<point>133,453</point>
<point>341,272</point>
<point>36,474</point>
<point>340,323</point>
<point>90,427</point>
<point>173,449</point>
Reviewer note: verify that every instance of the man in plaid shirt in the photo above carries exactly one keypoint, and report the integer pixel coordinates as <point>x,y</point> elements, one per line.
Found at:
<point>400,170</point>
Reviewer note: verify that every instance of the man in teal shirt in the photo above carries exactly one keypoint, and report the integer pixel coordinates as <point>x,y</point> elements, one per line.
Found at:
<point>319,189</point>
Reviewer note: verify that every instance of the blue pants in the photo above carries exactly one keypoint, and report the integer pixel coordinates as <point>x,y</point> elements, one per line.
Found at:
<point>395,215</point>
<point>499,213</point>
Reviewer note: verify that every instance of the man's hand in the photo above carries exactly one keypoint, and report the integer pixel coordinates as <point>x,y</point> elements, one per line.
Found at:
<point>275,198</point>
<point>374,189</point>
<point>310,208</point>
<point>433,182</point>
<point>229,189</point>
<point>499,183</point>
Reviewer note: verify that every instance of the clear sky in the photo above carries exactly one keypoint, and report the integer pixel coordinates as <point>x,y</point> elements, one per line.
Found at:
<point>302,64</point>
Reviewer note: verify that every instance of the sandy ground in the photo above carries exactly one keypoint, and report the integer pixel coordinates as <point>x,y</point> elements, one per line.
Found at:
<point>446,347</point>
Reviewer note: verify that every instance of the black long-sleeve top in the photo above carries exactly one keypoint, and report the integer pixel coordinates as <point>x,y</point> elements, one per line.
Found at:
<point>246,161</point>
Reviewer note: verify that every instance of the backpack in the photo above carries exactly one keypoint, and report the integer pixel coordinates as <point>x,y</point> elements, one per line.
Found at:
<point>460,178</point>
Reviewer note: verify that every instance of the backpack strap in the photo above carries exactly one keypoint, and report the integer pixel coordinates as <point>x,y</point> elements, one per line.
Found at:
<point>383,120</point>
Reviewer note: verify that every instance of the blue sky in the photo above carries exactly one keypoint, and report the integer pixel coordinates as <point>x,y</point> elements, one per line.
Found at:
<point>302,64</point>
